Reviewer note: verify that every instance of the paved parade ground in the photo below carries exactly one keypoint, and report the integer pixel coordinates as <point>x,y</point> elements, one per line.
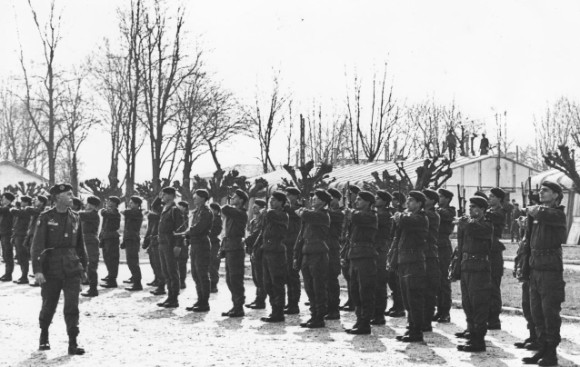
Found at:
<point>125,328</point>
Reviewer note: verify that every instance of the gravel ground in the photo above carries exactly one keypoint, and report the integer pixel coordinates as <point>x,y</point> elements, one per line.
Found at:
<point>123,328</point>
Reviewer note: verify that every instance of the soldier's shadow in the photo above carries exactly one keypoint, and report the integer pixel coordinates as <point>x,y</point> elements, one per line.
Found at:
<point>439,340</point>
<point>159,313</point>
<point>151,299</point>
<point>321,335</point>
<point>193,317</point>
<point>422,353</point>
<point>272,329</point>
<point>39,358</point>
<point>367,344</point>
<point>230,323</point>
<point>384,331</point>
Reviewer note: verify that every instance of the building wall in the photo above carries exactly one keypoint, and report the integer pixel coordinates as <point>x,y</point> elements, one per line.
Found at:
<point>10,175</point>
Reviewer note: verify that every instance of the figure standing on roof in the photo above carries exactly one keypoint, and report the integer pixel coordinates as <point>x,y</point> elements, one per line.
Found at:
<point>483,145</point>
<point>451,142</point>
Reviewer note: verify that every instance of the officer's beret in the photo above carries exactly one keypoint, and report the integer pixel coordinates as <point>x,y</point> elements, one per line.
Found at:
<point>242,195</point>
<point>448,194</point>
<point>481,194</point>
<point>323,195</point>
<point>261,203</point>
<point>184,204</point>
<point>498,193</point>
<point>479,201</point>
<point>385,196</point>
<point>136,199</point>
<point>43,199</point>
<point>8,195</point>
<point>27,199</point>
<point>60,188</point>
<point>202,194</point>
<point>431,194</point>
<point>399,196</point>
<point>354,189</point>
<point>168,190</point>
<point>418,195</point>
<point>292,191</point>
<point>335,193</point>
<point>115,199</point>
<point>93,200</point>
<point>156,204</point>
<point>366,196</point>
<point>77,202</point>
<point>280,196</point>
<point>215,206</point>
<point>553,186</point>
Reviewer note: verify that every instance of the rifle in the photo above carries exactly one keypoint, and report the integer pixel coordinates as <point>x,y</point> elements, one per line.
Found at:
<point>229,194</point>
<point>524,196</point>
<point>460,210</point>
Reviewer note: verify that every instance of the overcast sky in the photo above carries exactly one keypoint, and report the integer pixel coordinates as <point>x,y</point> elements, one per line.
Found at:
<point>487,56</point>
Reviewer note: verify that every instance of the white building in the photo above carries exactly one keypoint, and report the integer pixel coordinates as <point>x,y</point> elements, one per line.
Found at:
<point>12,173</point>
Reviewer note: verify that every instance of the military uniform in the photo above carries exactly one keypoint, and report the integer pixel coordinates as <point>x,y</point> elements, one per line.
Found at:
<point>336,223</point>
<point>274,268</point>
<point>215,260</point>
<point>6,223</point>
<point>397,308</point>
<point>383,242</point>
<point>293,278</point>
<point>109,238</point>
<point>170,221</point>
<point>200,252</point>
<point>433,280</point>
<point>20,227</point>
<point>444,253</point>
<point>498,220</point>
<point>254,249</point>
<point>151,244</point>
<point>526,306</point>
<point>233,247</point>
<point>184,255</point>
<point>58,252</point>
<point>90,224</point>
<point>132,242</point>
<point>362,256</point>
<point>311,255</point>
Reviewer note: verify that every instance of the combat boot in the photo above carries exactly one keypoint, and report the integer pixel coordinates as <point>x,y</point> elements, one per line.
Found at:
<point>235,312</point>
<point>305,324</point>
<point>154,283</point>
<point>43,343</point>
<point>550,358</point>
<point>355,326</point>
<point>475,344</point>
<point>73,348</point>
<point>6,278</point>
<point>128,281</point>
<point>22,280</point>
<point>111,283</point>
<point>316,323</point>
<point>292,310</point>
<point>135,287</point>
<point>92,292</point>
<point>347,306</point>
<point>333,315</point>
<point>364,328</point>
<point>378,320</point>
<point>466,334</point>
<point>536,357</point>
<point>162,304</point>
<point>277,315</point>
<point>159,291</point>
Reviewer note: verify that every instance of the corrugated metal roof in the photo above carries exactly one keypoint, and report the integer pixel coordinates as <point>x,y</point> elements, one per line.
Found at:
<point>356,174</point>
<point>555,176</point>
<point>25,170</point>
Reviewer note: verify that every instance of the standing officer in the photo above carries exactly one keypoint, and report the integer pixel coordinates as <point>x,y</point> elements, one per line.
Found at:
<point>254,250</point>
<point>311,255</point>
<point>514,227</point>
<point>293,279</point>
<point>410,249</point>
<point>383,239</point>
<point>274,266</point>
<point>170,246</point>
<point>6,223</point>
<point>40,203</point>
<point>497,215</point>
<point>352,192</point>
<point>434,275</point>
<point>200,250</point>
<point>214,239</point>
<point>444,252</point>
<point>233,250</point>
<point>132,240</point>
<point>398,308</point>
<point>109,238</point>
<point>90,221</point>
<point>362,257</point>
<point>151,244</point>
<point>183,206</point>
<point>59,260</point>
<point>475,273</point>
<point>543,248</point>
<point>336,223</point>
<point>21,218</point>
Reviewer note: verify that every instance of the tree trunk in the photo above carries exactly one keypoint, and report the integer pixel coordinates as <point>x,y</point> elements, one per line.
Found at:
<point>74,174</point>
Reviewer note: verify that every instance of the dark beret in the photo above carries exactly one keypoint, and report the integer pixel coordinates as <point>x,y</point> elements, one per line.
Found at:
<point>115,200</point>
<point>215,206</point>
<point>366,196</point>
<point>418,195</point>
<point>185,204</point>
<point>354,189</point>
<point>280,196</point>
<point>242,195</point>
<point>385,196</point>
<point>168,190</point>
<point>60,188</point>
<point>399,196</point>
<point>77,202</point>
<point>43,199</point>
<point>335,193</point>
<point>481,194</point>
<point>292,191</point>
<point>27,199</point>
<point>448,194</point>
<point>497,192</point>
<point>261,203</point>
<point>8,195</point>
<point>202,194</point>
<point>553,186</point>
<point>136,199</point>
<point>479,201</point>
<point>323,195</point>
<point>431,194</point>
<point>93,200</point>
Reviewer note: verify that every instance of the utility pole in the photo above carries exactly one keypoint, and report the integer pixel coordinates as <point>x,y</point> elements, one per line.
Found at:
<point>302,142</point>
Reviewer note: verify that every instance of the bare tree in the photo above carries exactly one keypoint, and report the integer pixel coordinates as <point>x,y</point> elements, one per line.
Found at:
<point>311,177</point>
<point>327,133</point>
<point>558,126</point>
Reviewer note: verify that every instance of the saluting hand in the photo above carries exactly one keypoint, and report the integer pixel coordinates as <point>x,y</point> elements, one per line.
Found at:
<point>84,277</point>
